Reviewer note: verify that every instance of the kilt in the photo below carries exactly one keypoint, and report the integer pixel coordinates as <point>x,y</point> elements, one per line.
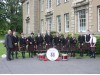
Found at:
<point>93,49</point>
<point>15,48</point>
<point>23,48</point>
<point>49,46</point>
<point>58,47</point>
<point>64,48</point>
<point>81,47</point>
<point>72,47</point>
<point>87,46</point>
<point>30,47</point>
<point>40,47</point>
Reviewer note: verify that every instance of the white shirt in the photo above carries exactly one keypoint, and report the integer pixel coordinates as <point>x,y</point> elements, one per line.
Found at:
<point>94,40</point>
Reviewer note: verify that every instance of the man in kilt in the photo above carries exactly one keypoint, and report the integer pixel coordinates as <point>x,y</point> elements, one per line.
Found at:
<point>93,41</point>
<point>15,45</point>
<point>73,42</point>
<point>65,44</point>
<point>81,40</point>
<point>48,40</point>
<point>57,41</point>
<point>22,44</point>
<point>31,43</point>
<point>87,42</point>
<point>39,41</point>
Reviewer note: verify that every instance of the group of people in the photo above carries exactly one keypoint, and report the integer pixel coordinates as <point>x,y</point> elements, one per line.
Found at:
<point>41,43</point>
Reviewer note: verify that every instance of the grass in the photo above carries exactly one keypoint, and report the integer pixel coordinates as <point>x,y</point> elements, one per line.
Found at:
<point>2,49</point>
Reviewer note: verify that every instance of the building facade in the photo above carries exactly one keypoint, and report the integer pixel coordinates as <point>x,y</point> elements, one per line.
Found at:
<point>61,16</point>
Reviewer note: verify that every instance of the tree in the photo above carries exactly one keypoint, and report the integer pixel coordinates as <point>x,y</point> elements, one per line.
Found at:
<point>14,14</point>
<point>3,24</point>
<point>11,15</point>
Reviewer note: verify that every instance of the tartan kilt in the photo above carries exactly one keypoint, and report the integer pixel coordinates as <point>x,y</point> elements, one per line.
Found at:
<point>72,47</point>
<point>23,48</point>
<point>49,46</point>
<point>40,47</point>
<point>30,47</point>
<point>58,47</point>
<point>64,48</point>
<point>15,48</point>
<point>87,46</point>
<point>93,49</point>
<point>81,47</point>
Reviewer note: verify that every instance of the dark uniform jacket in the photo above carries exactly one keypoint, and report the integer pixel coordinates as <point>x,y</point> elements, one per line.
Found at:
<point>57,40</point>
<point>39,40</point>
<point>22,41</point>
<point>8,41</point>
<point>88,38</point>
<point>31,40</point>
<point>15,40</point>
<point>81,39</point>
<point>73,41</point>
<point>48,39</point>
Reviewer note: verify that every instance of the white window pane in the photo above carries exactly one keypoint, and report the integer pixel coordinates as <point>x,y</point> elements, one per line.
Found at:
<point>82,20</point>
<point>66,22</point>
<point>59,23</point>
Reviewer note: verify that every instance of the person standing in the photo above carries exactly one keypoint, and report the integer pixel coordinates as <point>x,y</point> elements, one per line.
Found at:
<point>48,40</point>
<point>87,42</point>
<point>73,42</point>
<point>81,40</point>
<point>39,41</point>
<point>9,44</point>
<point>31,43</point>
<point>57,41</point>
<point>22,44</point>
<point>15,45</point>
<point>93,41</point>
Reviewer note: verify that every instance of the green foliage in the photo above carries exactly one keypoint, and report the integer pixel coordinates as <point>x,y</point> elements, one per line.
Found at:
<point>10,15</point>
<point>2,49</point>
<point>98,44</point>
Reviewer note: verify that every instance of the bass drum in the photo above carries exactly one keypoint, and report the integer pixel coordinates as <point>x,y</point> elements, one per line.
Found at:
<point>52,54</point>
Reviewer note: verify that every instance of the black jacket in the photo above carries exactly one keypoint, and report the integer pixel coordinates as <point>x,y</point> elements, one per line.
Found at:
<point>81,39</point>
<point>8,41</point>
<point>39,40</point>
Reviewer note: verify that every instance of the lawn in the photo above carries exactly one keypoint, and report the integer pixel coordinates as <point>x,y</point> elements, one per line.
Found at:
<point>2,49</point>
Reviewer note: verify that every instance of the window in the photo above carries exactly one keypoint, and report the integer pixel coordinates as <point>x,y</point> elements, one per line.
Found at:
<point>49,24</point>
<point>42,5</point>
<point>82,20</point>
<point>48,4</point>
<point>59,23</point>
<point>42,25</point>
<point>27,8</point>
<point>58,2</point>
<point>66,16</point>
<point>99,19</point>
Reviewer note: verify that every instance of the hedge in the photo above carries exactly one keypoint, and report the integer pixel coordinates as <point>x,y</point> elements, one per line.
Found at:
<point>76,35</point>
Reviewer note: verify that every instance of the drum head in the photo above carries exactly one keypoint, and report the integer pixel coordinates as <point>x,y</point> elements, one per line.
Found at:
<point>52,54</point>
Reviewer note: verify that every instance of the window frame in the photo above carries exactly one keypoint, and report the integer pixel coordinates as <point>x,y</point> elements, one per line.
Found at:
<point>99,19</point>
<point>66,22</point>
<point>49,4</point>
<point>59,24</point>
<point>81,21</point>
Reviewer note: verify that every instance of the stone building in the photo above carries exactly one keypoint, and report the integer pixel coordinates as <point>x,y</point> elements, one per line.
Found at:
<point>61,16</point>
